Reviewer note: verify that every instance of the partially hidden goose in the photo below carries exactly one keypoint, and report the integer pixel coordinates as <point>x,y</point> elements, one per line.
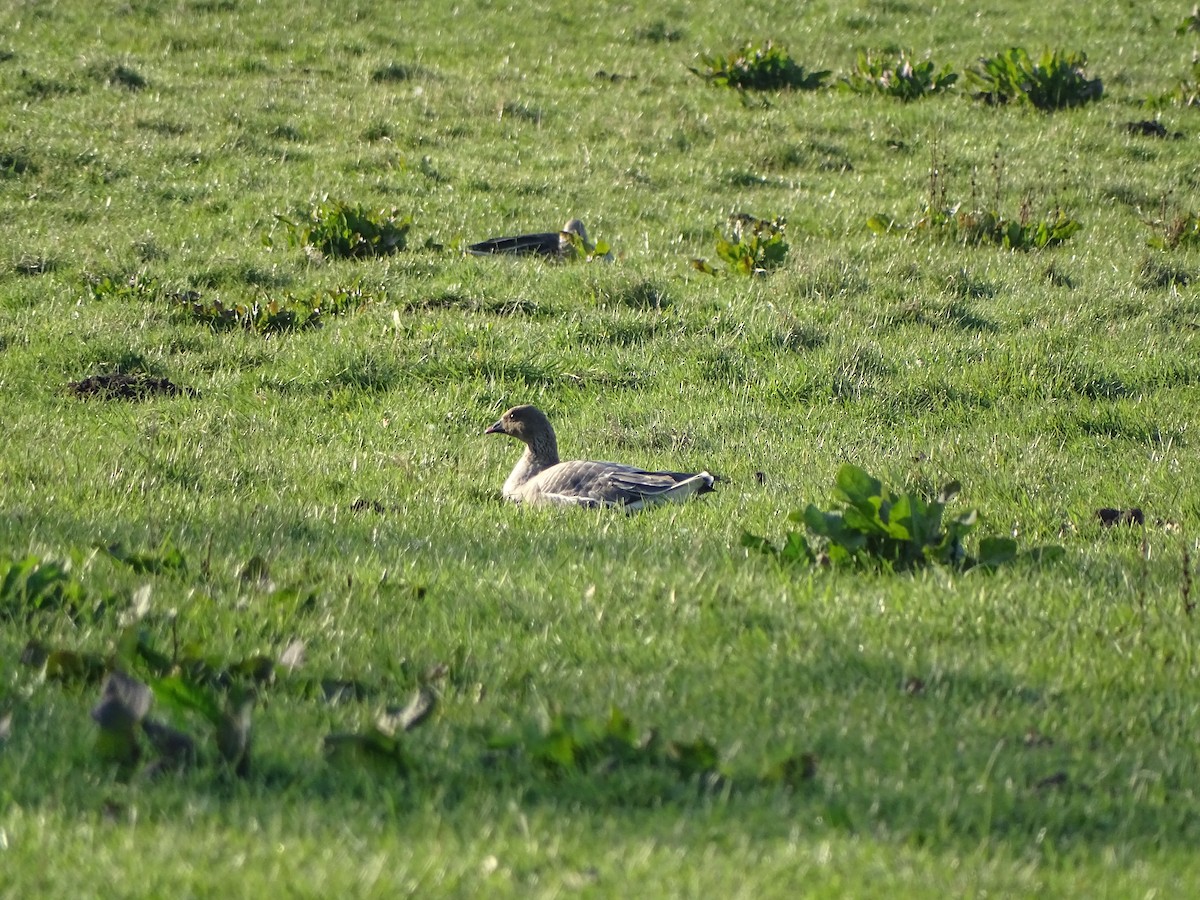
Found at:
<point>567,243</point>
<point>540,478</point>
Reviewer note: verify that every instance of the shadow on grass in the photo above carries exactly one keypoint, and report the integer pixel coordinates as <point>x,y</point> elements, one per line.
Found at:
<point>945,766</point>
<point>949,759</point>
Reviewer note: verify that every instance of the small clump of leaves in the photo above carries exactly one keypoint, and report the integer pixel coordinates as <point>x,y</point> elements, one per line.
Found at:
<point>65,665</point>
<point>758,68</point>
<point>338,229</point>
<point>898,76</point>
<point>1186,92</point>
<point>574,744</point>
<point>205,700</point>
<point>975,228</point>
<point>381,745</point>
<point>122,716</point>
<point>1156,274</point>
<point>1182,231</point>
<point>979,223</point>
<point>271,316</point>
<point>577,248</point>
<point>167,558</point>
<point>1055,81</point>
<point>874,527</point>
<point>755,247</point>
<point>1190,23</point>
<point>137,286</point>
<point>127,736</point>
<point>31,584</point>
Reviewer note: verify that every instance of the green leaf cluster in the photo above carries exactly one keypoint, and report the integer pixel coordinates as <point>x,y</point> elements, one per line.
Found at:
<point>381,746</point>
<point>758,68</point>
<point>339,229</point>
<point>63,664</point>
<point>980,227</point>
<point>189,685</point>
<point>184,682</point>
<point>585,251</point>
<point>137,285</point>
<point>755,246</point>
<point>271,315</point>
<point>167,558</point>
<point>876,527</point>
<point>1187,91</point>
<point>571,743</point>
<point>1055,81</point>
<point>897,76</point>
<point>1183,231</point>
<point>1189,23</point>
<point>31,584</point>
<point>126,728</point>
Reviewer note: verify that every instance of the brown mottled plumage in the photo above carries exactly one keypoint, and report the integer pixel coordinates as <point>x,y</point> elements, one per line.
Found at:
<point>540,478</point>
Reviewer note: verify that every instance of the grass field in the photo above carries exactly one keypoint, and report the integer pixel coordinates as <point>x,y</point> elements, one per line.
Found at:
<point>1029,731</point>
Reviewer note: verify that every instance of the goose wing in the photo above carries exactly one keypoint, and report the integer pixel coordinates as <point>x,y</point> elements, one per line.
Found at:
<point>547,243</point>
<point>585,483</point>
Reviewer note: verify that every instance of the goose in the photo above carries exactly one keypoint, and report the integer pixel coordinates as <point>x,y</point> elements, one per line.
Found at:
<point>541,479</point>
<point>571,240</point>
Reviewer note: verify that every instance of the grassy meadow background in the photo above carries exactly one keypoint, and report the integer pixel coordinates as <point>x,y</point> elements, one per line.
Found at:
<point>1031,731</point>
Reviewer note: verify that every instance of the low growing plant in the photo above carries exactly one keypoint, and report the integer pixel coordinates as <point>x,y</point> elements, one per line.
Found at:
<point>189,686</point>
<point>1054,81</point>
<point>137,286</point>
<point>755,246</point>
<point>765,68</point>
<point>583,250</point>
<point>30,584</point>
<point>898,76</point>
<point>1189,23</point>
<point>1185,93</point>
<point>1181,231</point>
<point>336,228</point>
<point>272,316</point>
<point>571,743</point>
<point>128,736</point>
<point>981,223</point>
<point>874,527</point>
<point>1156,273</point>
<point>977,227</point>
<point>382,744</point>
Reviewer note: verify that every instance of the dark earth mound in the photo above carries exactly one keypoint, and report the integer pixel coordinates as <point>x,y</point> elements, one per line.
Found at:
<point>1151,128</point>
<point>127,386</point>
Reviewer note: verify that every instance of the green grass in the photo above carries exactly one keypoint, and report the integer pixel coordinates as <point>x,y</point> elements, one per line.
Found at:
<point>1027,732</point>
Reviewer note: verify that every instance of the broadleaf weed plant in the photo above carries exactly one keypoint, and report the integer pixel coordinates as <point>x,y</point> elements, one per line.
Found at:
<point>754,247</point>
<point>1056,80</point>
<point>759,68</point>
<point>898,76</point>
<point>975,224</point>
<point>349,231</point>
